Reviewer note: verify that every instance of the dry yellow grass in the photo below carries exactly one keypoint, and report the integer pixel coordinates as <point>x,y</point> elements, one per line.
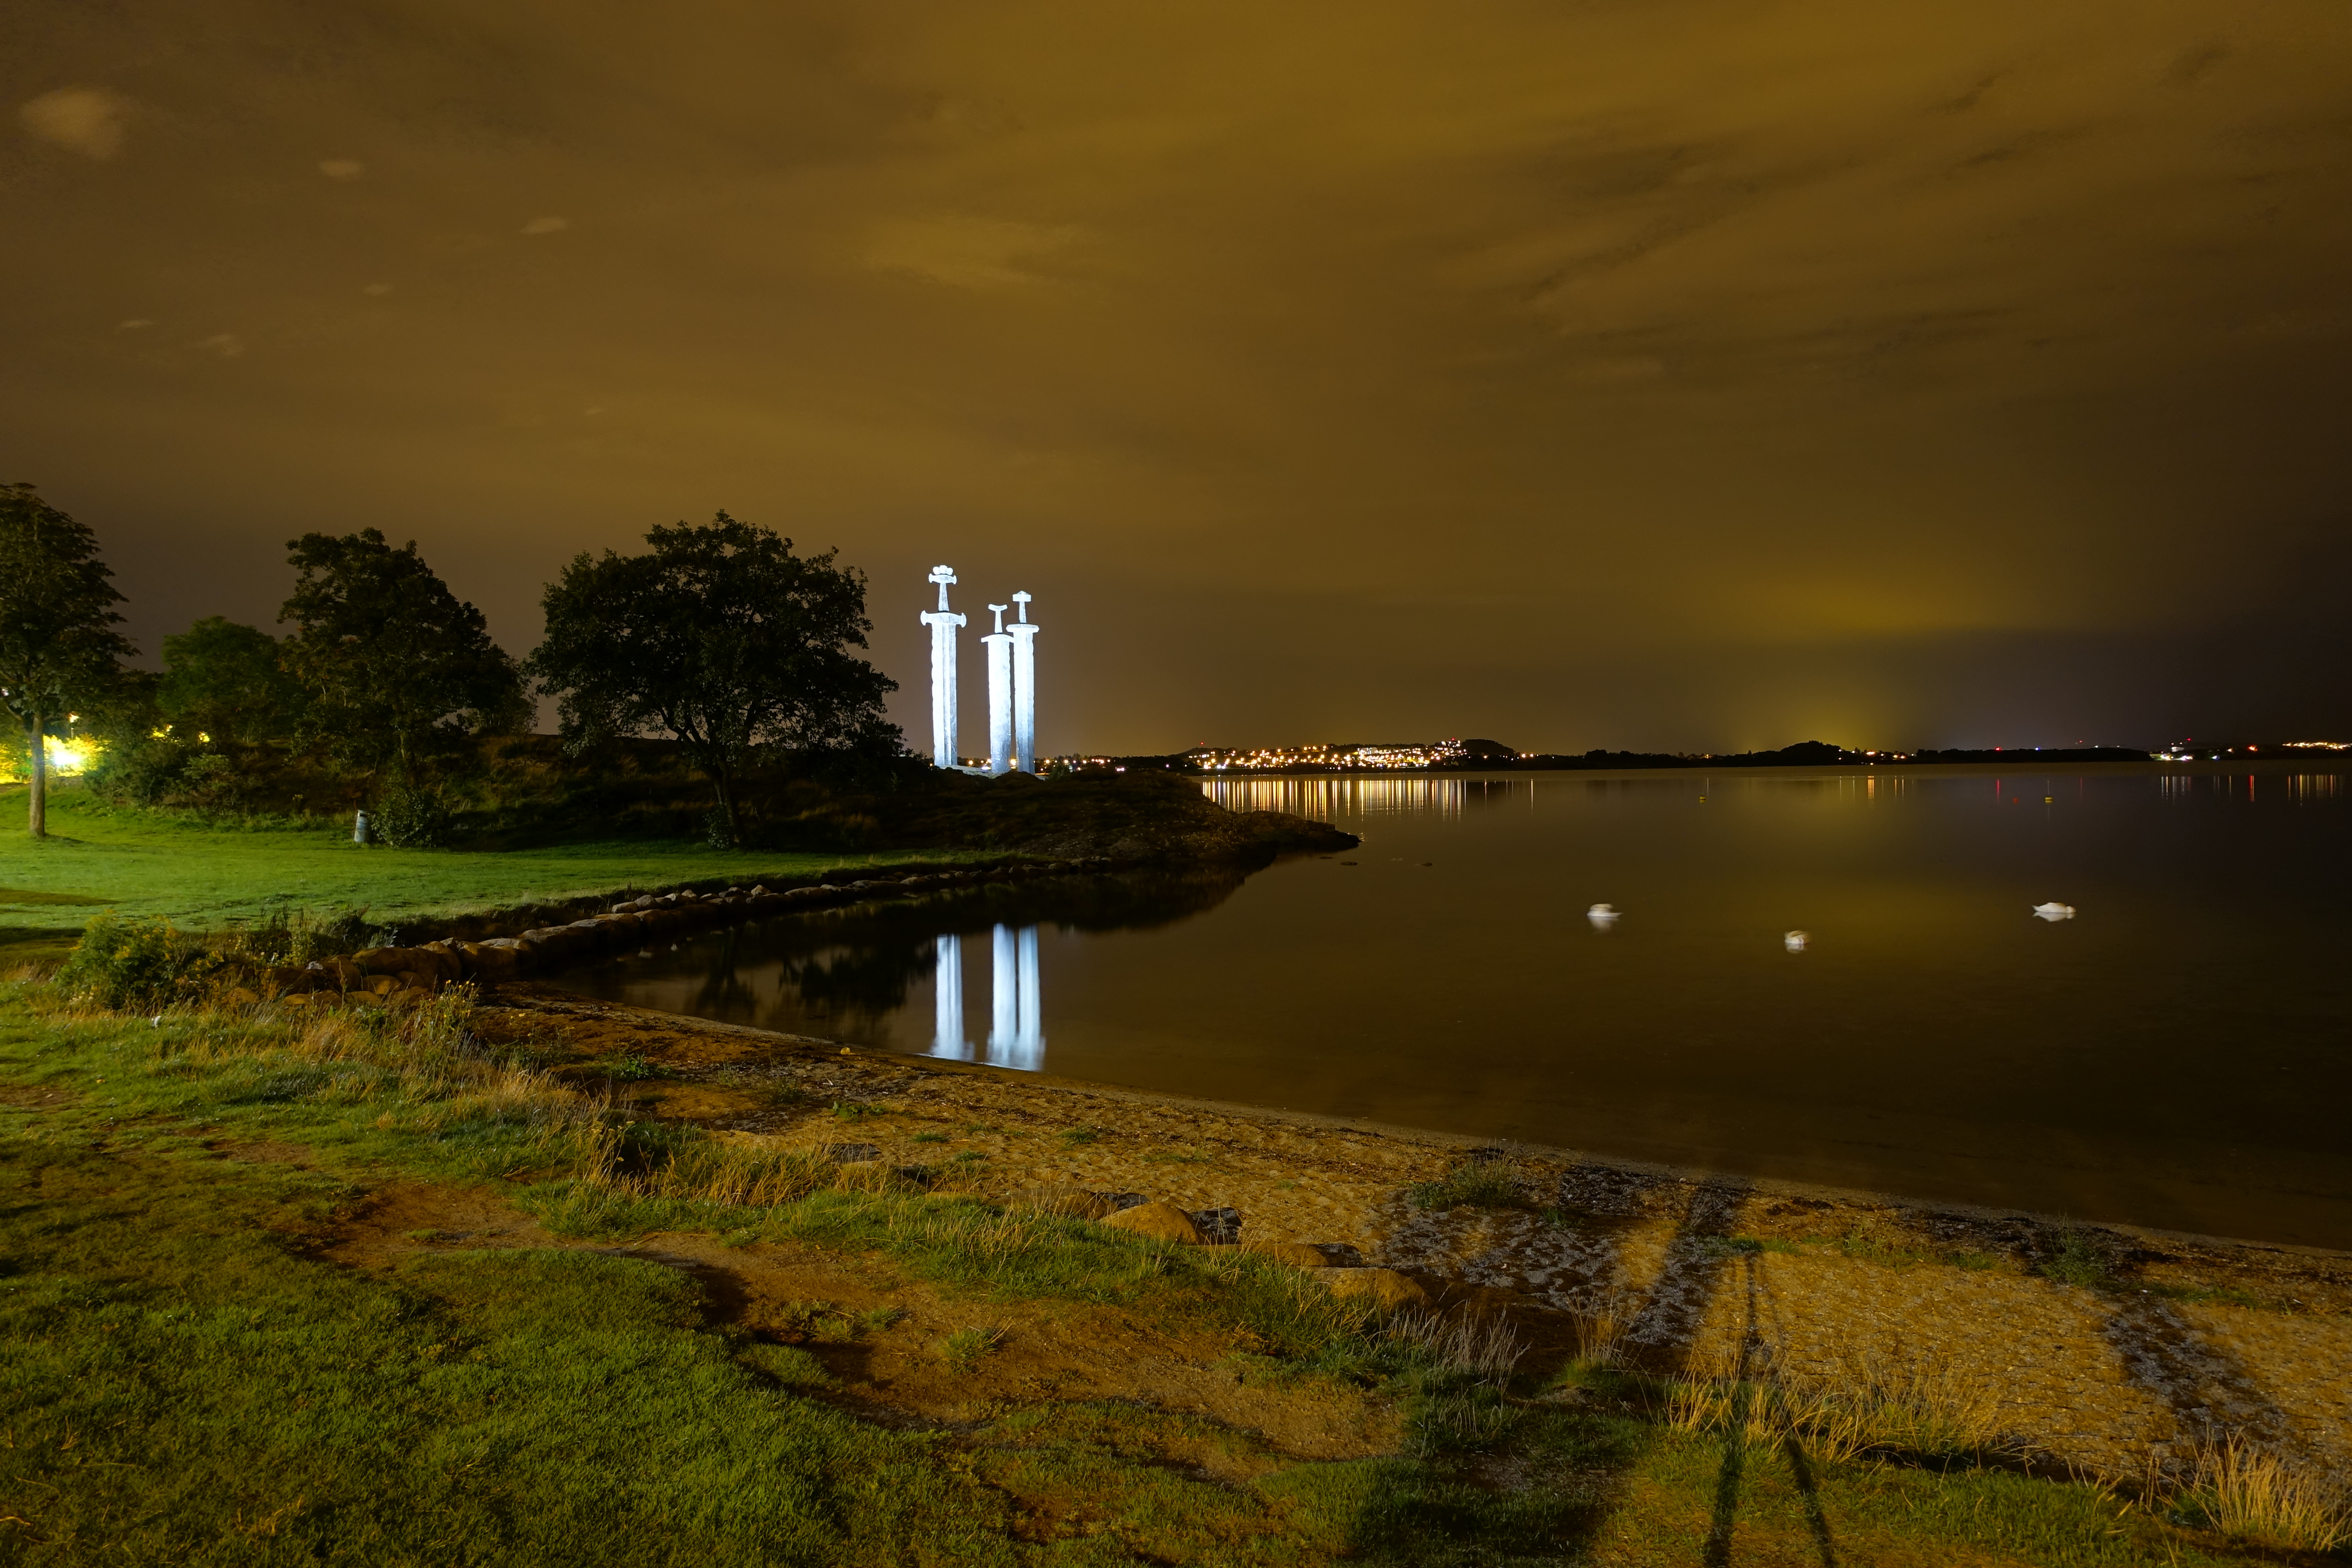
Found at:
<point>1876,1399</point>
<point>2257,1496</point>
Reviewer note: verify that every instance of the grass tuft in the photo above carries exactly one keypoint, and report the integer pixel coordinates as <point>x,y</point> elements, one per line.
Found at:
<point>2258,1498</point>
<point>1493,1183</point>
<point>966,1347</point>
<point>2079,1260</point>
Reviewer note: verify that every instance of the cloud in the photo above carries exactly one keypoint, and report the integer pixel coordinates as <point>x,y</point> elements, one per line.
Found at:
<point>134,324</point>
<point>228,345</point>
<point>1620,371</point>
<point>84,120</point>
<point>967,252</point>
<point>342,168</point>
<point>547,225</point>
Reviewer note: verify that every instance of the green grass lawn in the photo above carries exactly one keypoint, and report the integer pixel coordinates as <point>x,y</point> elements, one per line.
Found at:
<point>190,1381</point>
<point>200,878</point>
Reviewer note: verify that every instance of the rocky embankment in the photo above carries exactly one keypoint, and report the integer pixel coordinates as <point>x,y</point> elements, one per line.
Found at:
<point>1083,824</point>
<point>382,972</point>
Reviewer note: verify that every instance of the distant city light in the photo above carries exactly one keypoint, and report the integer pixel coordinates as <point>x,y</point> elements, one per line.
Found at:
<point>1386,754</point>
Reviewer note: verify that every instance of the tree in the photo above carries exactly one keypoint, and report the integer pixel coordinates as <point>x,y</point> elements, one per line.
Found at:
<point>397,671</point>
<point>59,648</point>
<point>224,681</point>
<point>720,637</point>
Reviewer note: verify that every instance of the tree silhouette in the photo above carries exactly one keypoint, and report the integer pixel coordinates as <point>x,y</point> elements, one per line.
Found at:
<point>397,670</point>
<point>719,637</point>
<point>59,648</point>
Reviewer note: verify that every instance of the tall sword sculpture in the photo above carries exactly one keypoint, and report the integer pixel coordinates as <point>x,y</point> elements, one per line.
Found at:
<point>1024,688</point>
<point>999,644</point>
<point>943,626</point>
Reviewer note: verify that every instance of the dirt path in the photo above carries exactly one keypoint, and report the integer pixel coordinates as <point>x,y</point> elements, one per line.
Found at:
<point>867,1339</point>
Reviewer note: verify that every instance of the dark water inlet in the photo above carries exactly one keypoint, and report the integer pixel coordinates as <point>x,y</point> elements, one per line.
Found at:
<point>2178,1054</point>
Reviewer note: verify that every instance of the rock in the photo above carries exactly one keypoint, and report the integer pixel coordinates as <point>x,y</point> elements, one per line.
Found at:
<point>1074,1200</point>
<point>1385,1285</point>
<point>435,964</point>
<point>1221,1227</point>
<point>1297,1254</point>
<point>488,963</point>
<point>1161,1221</point>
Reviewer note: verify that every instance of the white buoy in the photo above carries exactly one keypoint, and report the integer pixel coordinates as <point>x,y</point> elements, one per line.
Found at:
<point>2054,911</point>
<point>1602,915</point>
<point>1795,941</point>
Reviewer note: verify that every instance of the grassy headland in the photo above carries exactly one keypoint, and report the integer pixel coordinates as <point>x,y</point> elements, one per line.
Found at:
<point>209,871</point>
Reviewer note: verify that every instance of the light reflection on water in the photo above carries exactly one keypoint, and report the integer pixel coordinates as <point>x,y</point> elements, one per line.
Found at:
<point>2177,1052</point>
<point>1016,1034</point>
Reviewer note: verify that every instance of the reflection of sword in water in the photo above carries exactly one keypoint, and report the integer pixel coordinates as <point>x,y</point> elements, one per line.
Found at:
<point>1017,1037</point>
<point>1033,1032</point>
<point>947,981</point>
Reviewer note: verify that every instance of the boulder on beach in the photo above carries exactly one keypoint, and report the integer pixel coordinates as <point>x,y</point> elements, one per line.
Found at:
<point>1162,1221</point>
<point>1297,1254</point>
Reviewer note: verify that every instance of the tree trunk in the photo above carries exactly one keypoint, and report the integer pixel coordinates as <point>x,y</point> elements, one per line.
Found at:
<point>726,787</point>
<point>36,795</point>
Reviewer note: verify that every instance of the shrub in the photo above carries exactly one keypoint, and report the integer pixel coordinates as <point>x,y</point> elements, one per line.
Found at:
<point>298,937</point>
<point>142,964</point>
<point>137,773</point>
<point>410,816</point>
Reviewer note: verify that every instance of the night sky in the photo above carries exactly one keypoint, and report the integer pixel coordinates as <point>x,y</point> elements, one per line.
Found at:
<point>1667,374</point>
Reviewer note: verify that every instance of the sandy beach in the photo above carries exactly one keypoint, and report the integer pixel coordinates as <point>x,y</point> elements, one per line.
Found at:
<point>2169,1343</point>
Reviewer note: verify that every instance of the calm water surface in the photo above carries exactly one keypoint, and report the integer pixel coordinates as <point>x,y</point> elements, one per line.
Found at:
<point>2178,1054</point>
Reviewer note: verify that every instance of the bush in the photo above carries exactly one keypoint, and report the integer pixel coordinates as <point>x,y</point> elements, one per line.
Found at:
<point>299,936</point>
<point>143,965</point>
<point>211,780</point>
<point>412,817</point>
<point>142,772</point>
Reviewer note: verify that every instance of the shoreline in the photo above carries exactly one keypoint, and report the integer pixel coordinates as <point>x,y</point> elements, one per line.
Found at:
<point>2334,762</point>
<point>1461,1143</point>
